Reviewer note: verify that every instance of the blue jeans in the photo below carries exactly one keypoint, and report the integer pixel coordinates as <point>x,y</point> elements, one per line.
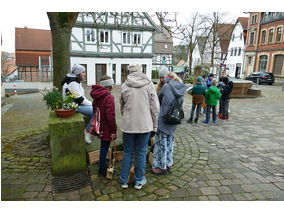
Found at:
<point>87,111</point>
<point>132,142</point>
<point>103,153</point>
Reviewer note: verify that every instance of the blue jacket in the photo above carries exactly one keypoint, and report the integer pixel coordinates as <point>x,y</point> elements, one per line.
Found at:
<point>168,98</point>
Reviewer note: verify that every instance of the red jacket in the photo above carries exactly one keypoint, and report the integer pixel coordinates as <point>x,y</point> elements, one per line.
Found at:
<point>103,99</point>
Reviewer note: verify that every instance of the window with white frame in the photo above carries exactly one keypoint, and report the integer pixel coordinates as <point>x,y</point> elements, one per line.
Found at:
<point>104,36</point>
<point>90,35</point>
<point>262,63</point>
<point>235,53</point>
<point>279,34</point>
<point>233,37</point>
<point>166,46</point>
<point>241,36</point>
<point>232,51</point>
<point>240,50</point>
<point>270,35</point>
<point>137,38</point>
<point>126,38</point>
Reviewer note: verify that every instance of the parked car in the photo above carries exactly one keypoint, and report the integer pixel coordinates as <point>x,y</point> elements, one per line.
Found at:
<point>264,77</point>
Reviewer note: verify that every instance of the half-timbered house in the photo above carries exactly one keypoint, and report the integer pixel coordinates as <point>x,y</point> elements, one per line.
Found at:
<point>106,43</point>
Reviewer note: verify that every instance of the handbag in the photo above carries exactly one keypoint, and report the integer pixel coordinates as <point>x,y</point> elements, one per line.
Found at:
<point>96,123</point>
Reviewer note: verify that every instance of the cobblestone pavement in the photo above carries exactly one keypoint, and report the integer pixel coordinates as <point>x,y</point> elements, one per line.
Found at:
<point>239,159</point>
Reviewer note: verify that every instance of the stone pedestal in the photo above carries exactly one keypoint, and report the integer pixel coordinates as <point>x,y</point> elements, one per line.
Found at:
<point>67,144</point>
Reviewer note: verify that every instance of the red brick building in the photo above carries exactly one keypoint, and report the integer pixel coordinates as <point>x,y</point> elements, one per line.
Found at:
<point>33,51</point>
<point>265,43</point>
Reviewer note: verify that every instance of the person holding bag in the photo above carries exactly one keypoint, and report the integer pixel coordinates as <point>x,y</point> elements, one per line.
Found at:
<point>104,101</point>
<point>164,140</point>
<point>140,109</point>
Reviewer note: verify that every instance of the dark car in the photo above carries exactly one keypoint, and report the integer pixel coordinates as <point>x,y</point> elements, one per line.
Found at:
<point>264,77</point>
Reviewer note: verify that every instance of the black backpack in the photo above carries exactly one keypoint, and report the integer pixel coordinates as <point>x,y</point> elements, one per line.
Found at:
<point>174,115</point>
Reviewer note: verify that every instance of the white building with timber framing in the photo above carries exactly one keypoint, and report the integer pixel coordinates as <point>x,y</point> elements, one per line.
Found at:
<point>106,43</point>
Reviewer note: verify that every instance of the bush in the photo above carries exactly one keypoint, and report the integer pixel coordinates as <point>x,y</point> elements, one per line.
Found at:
<point>7,95</point>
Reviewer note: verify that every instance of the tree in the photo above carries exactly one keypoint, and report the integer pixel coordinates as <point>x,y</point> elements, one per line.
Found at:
<point>61,24</point>
<point>217,32</point>
<point>5,65</point>
<point>61,27</point>
<point>190,33</point>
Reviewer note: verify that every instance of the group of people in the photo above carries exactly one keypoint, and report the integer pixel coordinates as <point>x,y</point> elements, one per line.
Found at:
<point>142,107</point>
<point>207,92</point>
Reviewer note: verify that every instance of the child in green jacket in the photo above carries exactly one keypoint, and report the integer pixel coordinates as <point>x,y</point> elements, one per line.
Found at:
<point>213,95</point>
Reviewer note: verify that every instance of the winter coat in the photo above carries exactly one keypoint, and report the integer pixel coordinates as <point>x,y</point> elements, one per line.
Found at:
<point>208,83</point>
<point>198,92</point>
<point>71,83</point>
<point>213,95</point>
<point>139,104</point>
<point>167,97</point>
<point>227,90</point>
<point>103,99</point>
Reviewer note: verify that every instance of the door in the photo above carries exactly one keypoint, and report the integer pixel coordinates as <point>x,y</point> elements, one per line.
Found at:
<point>278,64</point>
<point>100,71</point>
<point>238,70</point>
<point>124,72</point>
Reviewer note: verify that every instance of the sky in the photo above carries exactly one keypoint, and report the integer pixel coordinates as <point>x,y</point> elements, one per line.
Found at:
<point>32,14</point>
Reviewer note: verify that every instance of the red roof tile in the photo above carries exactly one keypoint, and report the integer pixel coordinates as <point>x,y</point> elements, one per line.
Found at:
<point>244,22</point>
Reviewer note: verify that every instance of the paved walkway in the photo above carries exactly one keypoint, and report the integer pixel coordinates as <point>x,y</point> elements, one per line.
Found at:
<point>239,159</point>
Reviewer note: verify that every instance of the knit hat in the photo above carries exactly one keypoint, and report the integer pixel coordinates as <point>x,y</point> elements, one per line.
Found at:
<point>77,69</point>
<point>163,72</point>
<point>135,68</point>
<point>107,82</point>
<point>199,79</point>
<point>211,75</point>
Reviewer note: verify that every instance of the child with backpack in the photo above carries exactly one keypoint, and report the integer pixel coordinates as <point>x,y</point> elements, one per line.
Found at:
<point>212,95</point>
<point>164,141</point>
<point>103,99</point>
<point>198,93</point>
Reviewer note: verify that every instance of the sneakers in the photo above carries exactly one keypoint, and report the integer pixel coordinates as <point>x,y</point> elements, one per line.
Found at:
<point>206,122</point>
<point>88,137</point>
<point>158,171</point>
<point>189,121</point>
<point>138,184</point>
<point>124,185</point>
<point>227,118</point>
<point>214,122</point>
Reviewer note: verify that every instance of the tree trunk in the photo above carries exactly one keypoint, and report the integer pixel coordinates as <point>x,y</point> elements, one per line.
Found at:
<point>61,26</point>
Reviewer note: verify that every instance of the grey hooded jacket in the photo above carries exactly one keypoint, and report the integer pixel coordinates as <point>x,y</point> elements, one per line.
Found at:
<point>139,104</point>
<point>167,97</point>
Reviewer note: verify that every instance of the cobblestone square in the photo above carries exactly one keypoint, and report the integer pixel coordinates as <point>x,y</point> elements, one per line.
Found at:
<point>239,159</point>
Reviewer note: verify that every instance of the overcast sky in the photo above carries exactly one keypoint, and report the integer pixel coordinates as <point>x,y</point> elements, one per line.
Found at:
<point>32,14</point>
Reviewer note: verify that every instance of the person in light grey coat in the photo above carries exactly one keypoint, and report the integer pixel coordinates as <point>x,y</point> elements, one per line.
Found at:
<point>140,110</point>
<point>164,141</point>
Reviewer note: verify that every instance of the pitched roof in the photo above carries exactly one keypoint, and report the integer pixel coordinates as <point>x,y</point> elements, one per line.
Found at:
<point>33,39</point>
<point>162,39</point>
<point>9,66</point>
<point>244,22</point>
<point>224,31</point>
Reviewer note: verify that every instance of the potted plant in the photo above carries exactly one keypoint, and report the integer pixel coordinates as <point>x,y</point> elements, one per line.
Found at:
<point>54,101</point>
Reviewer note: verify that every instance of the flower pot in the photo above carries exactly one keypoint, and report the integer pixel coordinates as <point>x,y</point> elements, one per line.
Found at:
<point>64,113</point>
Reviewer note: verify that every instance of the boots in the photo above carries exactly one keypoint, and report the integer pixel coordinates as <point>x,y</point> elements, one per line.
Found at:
<point>220,116</point>
<point>196,120</point>
<point>189,121</point>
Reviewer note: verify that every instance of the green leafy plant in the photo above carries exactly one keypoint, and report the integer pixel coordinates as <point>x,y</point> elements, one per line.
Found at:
<point>53,99</point>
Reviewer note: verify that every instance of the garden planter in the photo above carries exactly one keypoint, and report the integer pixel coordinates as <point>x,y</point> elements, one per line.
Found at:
<point>64,113</point>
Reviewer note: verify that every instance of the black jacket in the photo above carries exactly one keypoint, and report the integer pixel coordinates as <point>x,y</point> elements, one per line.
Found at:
<point>226,91</point>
